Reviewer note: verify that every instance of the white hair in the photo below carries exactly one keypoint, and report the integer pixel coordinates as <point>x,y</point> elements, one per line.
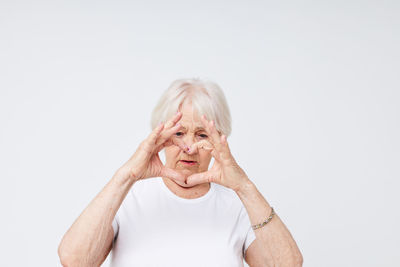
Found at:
<point>206,98</point>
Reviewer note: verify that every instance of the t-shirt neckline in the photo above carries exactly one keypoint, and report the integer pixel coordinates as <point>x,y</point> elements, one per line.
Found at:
<point>206,196</point>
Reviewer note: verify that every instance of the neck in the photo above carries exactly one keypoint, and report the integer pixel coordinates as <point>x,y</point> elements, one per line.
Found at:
<point>186,192</point>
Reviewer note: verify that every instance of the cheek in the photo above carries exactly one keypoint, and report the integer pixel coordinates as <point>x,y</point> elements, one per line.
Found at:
<point>171,152</point>
<point>205,156</point>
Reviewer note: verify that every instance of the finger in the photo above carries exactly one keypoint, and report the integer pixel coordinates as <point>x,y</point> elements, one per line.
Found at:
<point>167,133</point>
<point>214,137</point>
<point>171,123</point>
<point>215,166</point>
<point>226,151</point>
<point>215,154</point>
<point>203,144</point>
<point>173,141</point>
<point>179,142</point>
<point>172,174</point>
<point>220,142</point>
<point>161,147</point>
<point>214,133</point>
<point>200,178</point>
<point>155,133</point>
<point>204,121</point>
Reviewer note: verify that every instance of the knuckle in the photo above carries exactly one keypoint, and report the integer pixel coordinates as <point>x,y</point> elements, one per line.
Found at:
<point>227,160</point>
<point>169,124</point>
<point>146,146</point>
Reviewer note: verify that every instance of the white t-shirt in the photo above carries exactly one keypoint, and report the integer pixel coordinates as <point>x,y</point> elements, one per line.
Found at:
<point>156,228</point>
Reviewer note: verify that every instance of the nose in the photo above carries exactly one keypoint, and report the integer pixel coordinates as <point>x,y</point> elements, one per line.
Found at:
<point>189,141</point>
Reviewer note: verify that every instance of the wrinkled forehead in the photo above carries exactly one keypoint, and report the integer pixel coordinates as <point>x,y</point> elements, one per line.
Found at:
<point>190,117</point>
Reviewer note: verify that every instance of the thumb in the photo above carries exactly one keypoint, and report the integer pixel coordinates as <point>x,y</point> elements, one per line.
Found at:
<point>172,174</point>
<point>199,178</point>
<point>203,144</point>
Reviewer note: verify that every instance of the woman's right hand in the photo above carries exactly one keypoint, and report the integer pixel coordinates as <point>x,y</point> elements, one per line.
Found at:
<point>145,162</point>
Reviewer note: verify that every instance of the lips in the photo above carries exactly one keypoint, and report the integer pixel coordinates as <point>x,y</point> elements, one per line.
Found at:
<point>188,162</point>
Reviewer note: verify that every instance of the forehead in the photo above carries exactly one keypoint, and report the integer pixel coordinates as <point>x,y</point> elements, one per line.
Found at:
<point>190,118</point>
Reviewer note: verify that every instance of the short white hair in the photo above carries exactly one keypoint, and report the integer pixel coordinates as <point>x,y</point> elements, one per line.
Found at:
<point>206,98</point>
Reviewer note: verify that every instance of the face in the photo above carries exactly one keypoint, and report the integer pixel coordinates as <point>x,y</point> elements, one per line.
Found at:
<point>192,131</point>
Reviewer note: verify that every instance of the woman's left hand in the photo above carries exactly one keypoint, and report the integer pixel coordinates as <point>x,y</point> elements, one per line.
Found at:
<point>225,171</point>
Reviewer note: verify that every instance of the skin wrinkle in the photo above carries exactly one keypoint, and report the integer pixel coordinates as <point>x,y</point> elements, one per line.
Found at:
<point>190,120</point>
<point>274,245</point>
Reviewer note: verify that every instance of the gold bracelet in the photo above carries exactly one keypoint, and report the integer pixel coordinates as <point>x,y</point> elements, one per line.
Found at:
<point>264,222</point>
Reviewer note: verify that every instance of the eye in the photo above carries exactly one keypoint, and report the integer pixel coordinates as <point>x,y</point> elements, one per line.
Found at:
<point>179,134</point>
<point>203,136</point>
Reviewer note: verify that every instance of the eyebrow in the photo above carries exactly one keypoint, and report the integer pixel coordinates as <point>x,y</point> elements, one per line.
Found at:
<point>196,129</point>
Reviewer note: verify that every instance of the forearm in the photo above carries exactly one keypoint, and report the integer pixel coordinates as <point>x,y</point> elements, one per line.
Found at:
<point>274,239</point>
<point>88,238</point>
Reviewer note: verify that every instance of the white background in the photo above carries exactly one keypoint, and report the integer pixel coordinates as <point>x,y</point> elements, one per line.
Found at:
<point>313,88</point>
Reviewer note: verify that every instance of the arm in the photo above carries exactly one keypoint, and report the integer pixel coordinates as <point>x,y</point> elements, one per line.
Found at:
<point>274,245</point>
<point>88,241</point>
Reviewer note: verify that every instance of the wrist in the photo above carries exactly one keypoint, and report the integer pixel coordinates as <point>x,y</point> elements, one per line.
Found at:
<point>245,186</point>
<point>122,180</point>
<point>125,173</point>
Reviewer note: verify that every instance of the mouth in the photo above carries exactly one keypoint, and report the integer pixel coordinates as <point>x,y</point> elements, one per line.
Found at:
<point>188,162</point>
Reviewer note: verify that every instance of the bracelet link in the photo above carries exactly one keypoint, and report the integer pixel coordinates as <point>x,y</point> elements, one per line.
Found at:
<point>264,222</point>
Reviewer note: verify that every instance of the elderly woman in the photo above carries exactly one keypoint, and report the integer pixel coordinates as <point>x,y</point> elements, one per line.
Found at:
<point>186,214</point>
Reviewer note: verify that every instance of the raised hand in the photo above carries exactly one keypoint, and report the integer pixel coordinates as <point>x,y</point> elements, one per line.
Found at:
<point>225,170</point>
<point>145,162</point>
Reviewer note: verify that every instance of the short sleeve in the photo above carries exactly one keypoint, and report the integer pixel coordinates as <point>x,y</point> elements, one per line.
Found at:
<point>250,237</point>
<point>115,226</point>
<point>250,234</point>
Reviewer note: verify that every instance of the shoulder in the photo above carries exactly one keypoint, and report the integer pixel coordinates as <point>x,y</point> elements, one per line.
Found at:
<point>144,185</point>
<point>228,195</point>
<point>225,191</point>
<point>139,190</point>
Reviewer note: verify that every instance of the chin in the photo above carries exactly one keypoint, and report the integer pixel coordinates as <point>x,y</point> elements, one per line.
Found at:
<point>186,173</point>
<point>185,185</point>
<point>182,184</point>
